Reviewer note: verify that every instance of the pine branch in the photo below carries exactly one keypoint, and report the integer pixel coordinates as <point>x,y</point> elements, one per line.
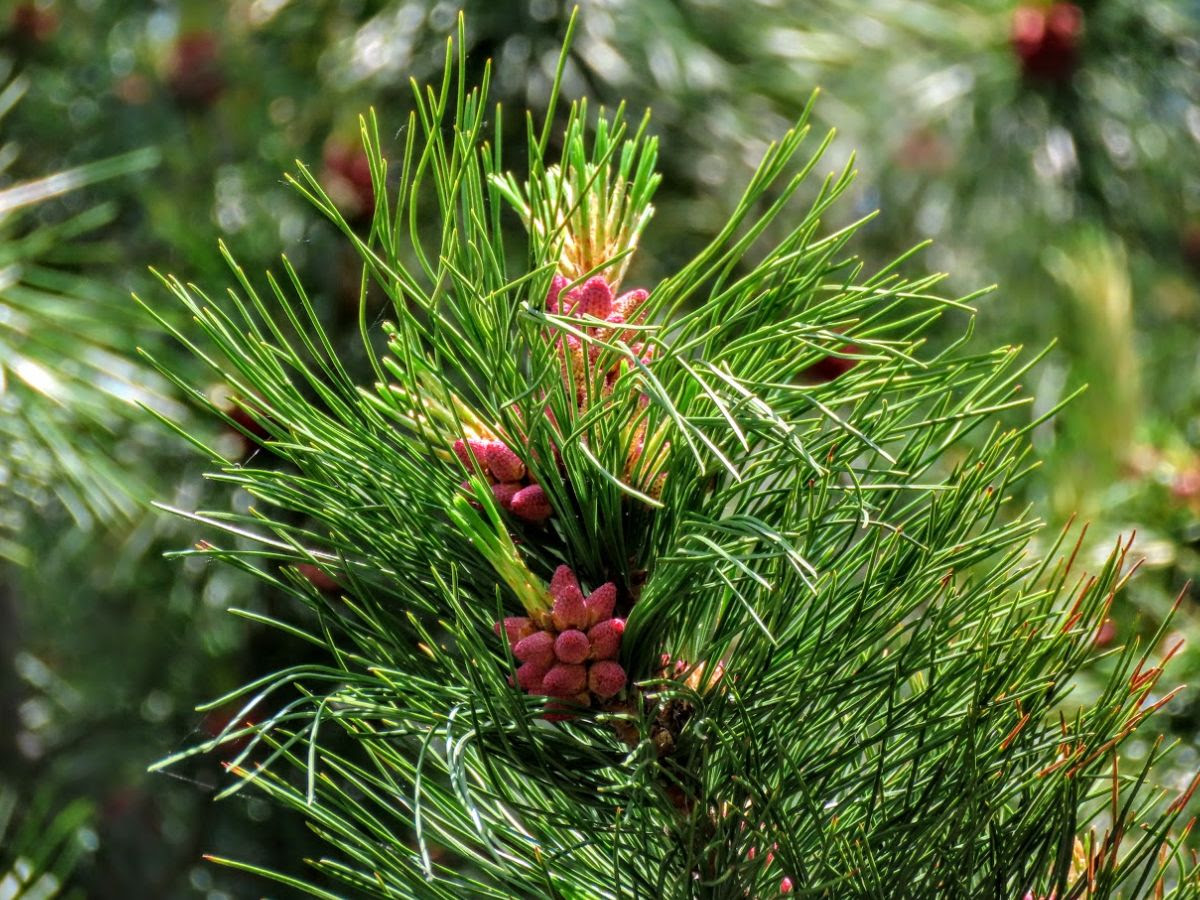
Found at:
<point>841,668</point>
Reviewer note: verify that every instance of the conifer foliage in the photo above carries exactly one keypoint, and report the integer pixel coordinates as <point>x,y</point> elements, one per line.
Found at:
<point>68,393</point>
<point>756,633</point>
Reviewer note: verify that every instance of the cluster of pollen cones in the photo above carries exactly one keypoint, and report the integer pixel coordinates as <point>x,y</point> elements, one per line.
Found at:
<point>595,299</point>
<point>569,653</point>
<point>511,485</point>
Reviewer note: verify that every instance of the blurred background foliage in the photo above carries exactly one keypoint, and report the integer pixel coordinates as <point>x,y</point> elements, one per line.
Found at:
<point>1052,149</point>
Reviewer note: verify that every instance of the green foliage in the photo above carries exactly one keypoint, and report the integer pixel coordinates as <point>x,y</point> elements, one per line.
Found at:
<point>848,668</point>
<point>955,143</point>
<point>97,678</point>
<point>40,846</point>
<point>67,386</point>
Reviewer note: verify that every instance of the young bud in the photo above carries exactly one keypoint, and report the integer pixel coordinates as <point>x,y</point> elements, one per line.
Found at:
<point>1047,39</point>
<point>830,367</point>
<point>605,638</point>
<point>515,628</point>
<point>563,580</point>
<point>346,177</point>
<point>504,492</point>
<point>1105,633</point>
<point>31,24</point>
<point>502,462</point>
<point>556,287</point>
<point>570,611</point>
<point>196,72</point>
<point>531,504</point>
<point>530,676</point>
<point>538,647</point>
<point>606,679</point>
<point>595,299</point>
<point>601,602</point>
<point>627,304</point>
<point>566,680</point>
<point>464,449</point>
<point>785,886</point>
<point>572,646</point>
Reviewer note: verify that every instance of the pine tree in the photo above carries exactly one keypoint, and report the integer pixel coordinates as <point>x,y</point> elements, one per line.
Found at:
<point>618,598</point>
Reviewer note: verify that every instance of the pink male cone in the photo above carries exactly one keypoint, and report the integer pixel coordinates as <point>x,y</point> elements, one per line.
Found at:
<point>605,638</point>
<point>572,646</point>
<point>557,711</point>
<point>627,304</point>
<point>478,447</point>
<point>570,611</point>
<point>606,679</point>
<point>530,503</point>
<point>515,628</point>
<point>460,450</point>
<point>502,462</point>
<point>601,602</point>
<point>538,647</point>
<point>562,580</point>
<point>530,676</point>
<point>556,286</point>
<point>595,299</point>
<point>565,680</point>
<point>504,493</point>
